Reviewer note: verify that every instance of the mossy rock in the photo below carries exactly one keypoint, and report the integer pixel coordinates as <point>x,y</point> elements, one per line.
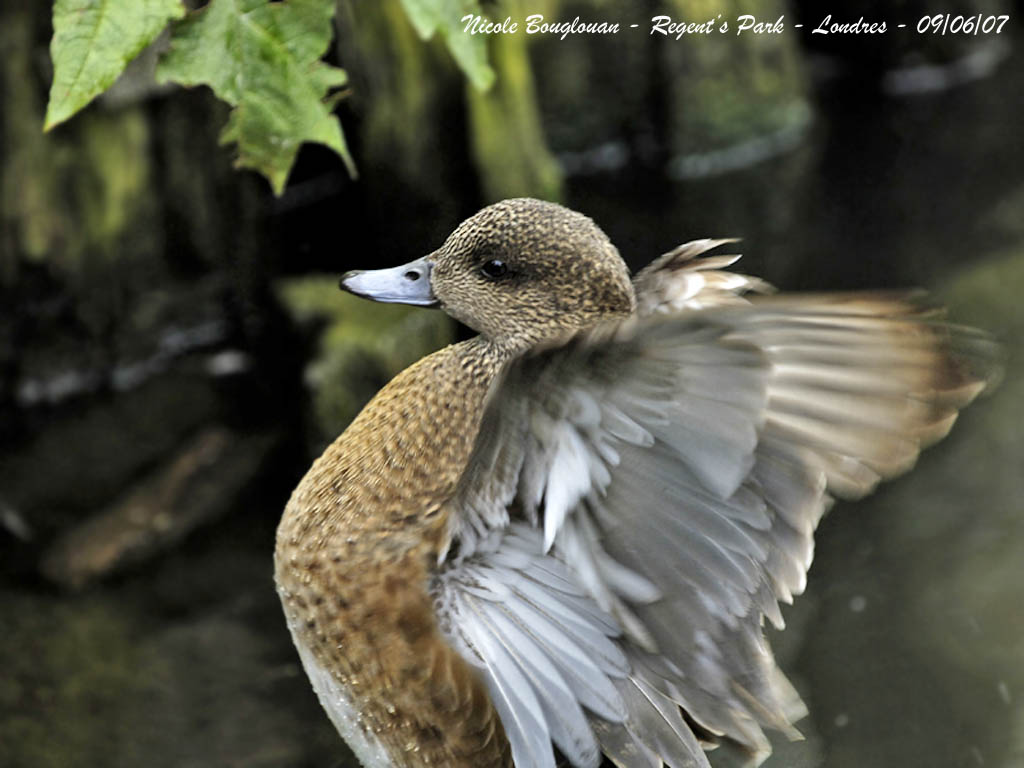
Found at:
<point>70,670</point>
<point>105,680</point>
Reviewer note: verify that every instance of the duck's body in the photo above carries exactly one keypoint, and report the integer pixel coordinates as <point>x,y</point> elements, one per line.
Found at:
<point>358,540</point>
<point>571,527</point>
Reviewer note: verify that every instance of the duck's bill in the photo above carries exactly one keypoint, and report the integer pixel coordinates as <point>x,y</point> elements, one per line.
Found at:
<point>407,284</point>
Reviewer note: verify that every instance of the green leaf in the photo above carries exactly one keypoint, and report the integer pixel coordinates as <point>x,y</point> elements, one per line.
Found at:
<point>264,60</point>
<point>93,41</point>
<point>445,16</point>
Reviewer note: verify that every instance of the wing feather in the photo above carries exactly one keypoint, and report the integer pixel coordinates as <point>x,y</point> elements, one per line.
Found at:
<point>563,714</point>
<point>667,473</point>
<point>547,652</point>
<point>511,693</point>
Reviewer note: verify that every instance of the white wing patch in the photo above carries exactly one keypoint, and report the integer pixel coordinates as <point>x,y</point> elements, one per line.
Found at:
<point>571,469</point>
<point>546,650</point>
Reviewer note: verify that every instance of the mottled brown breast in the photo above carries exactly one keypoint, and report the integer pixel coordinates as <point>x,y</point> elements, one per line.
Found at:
<point>355,548</point>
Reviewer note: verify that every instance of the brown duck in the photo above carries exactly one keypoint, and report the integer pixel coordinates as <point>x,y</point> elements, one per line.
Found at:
<point>567,532</point>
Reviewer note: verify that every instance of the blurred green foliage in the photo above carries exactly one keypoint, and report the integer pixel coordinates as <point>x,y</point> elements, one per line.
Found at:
<point>443,16</point>
<point>93,41</point>
<point>263,58</point>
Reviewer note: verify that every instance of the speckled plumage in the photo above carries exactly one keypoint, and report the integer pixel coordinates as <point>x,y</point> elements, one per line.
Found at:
<point>357,540</point>
<point>572,527</point>
<point>365,526</point>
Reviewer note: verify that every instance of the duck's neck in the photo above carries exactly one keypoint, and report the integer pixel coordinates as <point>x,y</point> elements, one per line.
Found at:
<point>386,479</point>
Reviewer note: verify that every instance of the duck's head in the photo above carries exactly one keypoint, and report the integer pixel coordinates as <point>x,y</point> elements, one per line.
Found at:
<point>517,272</point>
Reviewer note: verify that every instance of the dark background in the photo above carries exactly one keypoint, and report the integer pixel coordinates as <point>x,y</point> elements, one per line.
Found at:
<point>171,359</point>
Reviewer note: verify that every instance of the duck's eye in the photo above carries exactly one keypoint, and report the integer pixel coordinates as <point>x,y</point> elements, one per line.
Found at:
<point>494,269</point>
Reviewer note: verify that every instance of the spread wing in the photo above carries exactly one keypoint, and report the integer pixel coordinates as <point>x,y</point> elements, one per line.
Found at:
<point>643,495</point>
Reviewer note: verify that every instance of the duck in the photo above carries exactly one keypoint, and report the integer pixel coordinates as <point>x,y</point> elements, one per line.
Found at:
<point>559,541</point>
